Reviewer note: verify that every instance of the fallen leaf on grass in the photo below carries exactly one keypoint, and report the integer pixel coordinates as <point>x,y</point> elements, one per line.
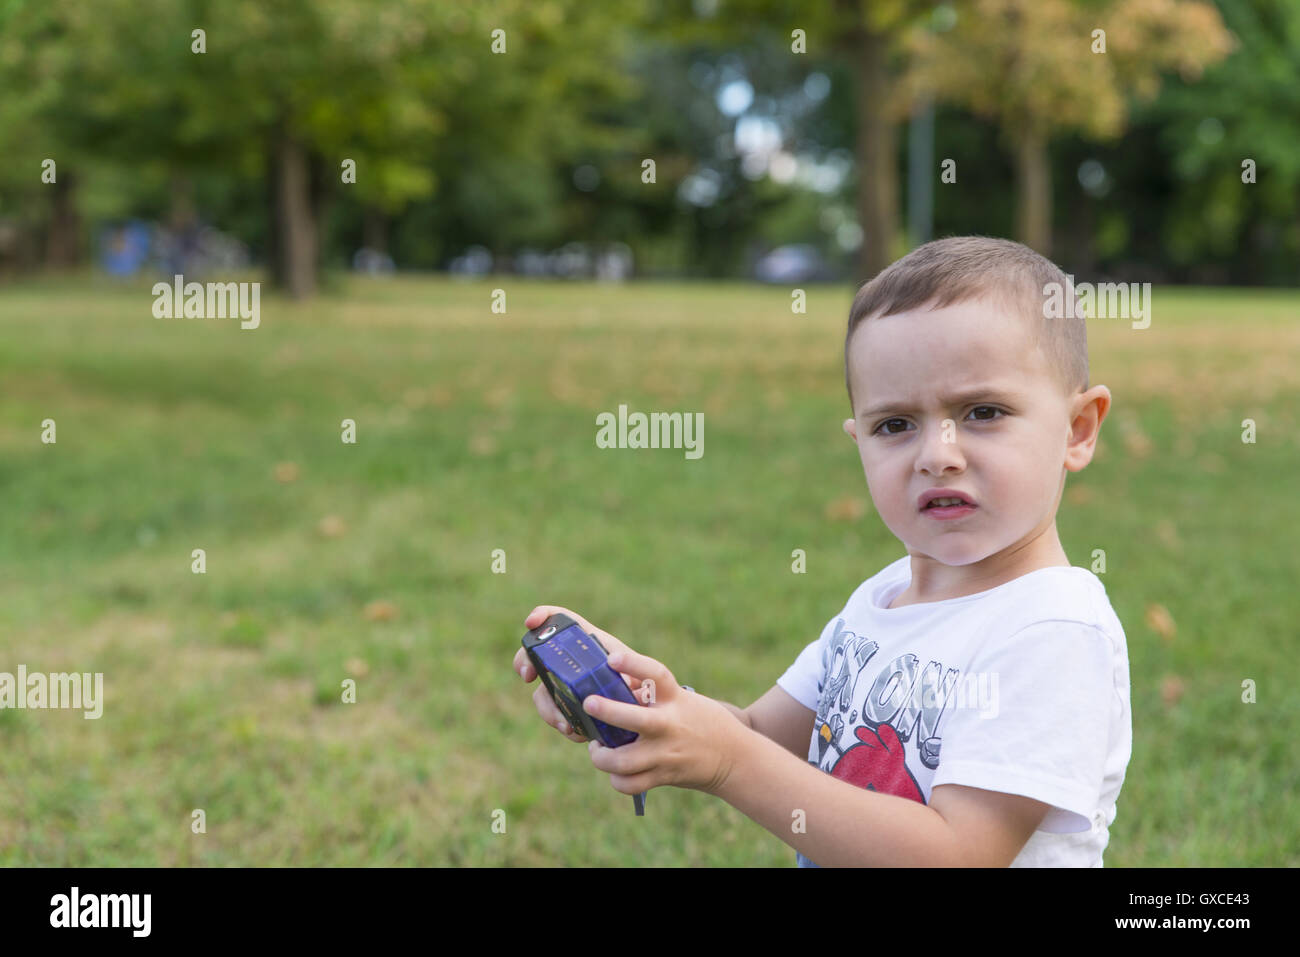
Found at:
<point>1079,494</point>
<point>846,509</point>
<point>381,611</point>
<point>1137,443</point>
<point>331,526</point>
<point>1171,690</point>
<point>1160,621</point>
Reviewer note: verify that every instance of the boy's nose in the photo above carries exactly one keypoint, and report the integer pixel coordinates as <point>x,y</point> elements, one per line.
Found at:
<point>940,449</point>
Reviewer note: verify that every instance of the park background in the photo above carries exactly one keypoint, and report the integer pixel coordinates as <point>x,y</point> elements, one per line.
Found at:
<point>795,146</point>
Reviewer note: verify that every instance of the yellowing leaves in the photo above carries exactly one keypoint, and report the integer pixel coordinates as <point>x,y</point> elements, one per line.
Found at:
<point>1031,64</point>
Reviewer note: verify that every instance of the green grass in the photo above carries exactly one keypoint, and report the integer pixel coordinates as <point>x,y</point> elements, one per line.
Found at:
<point>476,432</point>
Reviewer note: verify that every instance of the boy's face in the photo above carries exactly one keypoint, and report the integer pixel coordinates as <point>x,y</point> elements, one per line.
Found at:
<point>959,398</point>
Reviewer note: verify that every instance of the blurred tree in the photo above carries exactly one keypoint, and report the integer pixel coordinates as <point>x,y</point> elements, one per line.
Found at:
<point>712,192</point>
<point>543,144</point>
<point>869,34</point>
<point>866,36</point>
<point>38,179</point>
<point>1038,67</point>
<point>286,91</point>
<point>1247,108</point>
<point>522,122</point>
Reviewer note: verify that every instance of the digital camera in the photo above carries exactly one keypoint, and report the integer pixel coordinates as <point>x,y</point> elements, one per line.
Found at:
<point>573,665</point>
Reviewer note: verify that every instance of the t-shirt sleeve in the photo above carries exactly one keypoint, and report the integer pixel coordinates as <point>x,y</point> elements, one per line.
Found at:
<point>803,679</point>
<point>1040,724</point>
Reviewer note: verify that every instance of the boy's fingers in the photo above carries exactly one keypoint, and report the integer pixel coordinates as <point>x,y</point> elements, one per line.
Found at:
<point>556,719</point>
<point>629,717</point>
<point>553,716</point>
<point>545,706</point>
<point>641,667</point>
<point>634,784</point>
<point>542,612</point>
<point>524,667</point>
<point>627,760</point>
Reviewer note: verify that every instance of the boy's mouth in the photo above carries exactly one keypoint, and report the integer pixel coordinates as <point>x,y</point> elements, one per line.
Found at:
<point>945,503</point>
<point>943,497</point>
<point>949,511</point>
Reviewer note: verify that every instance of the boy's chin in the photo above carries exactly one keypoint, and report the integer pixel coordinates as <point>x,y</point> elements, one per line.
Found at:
<point>954,557</point>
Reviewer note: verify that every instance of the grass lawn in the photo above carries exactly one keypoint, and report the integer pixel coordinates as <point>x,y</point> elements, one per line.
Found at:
<point>475,432</point>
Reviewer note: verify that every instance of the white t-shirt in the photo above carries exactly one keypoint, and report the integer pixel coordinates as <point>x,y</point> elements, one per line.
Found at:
<point>1025,685</point>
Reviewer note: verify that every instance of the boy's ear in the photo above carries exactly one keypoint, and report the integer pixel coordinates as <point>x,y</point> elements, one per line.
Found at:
<point>851,428</point>
<point>1090,409</point>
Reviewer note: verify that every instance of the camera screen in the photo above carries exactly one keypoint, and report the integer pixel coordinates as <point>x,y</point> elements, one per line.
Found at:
<point>563,691</point>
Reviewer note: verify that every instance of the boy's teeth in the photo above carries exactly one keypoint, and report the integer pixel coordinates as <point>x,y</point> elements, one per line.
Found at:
<point>934,502</point>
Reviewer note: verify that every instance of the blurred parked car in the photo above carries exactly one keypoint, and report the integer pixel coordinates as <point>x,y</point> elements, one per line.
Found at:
<point>372,262</point>
<point>608,262</point>
<point>797,263</point>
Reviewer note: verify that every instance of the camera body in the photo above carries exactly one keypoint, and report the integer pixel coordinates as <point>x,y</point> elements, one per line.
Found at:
<point>573,665</point>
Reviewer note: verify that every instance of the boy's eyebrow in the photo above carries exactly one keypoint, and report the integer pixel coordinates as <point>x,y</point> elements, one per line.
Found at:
<point>991,393</point>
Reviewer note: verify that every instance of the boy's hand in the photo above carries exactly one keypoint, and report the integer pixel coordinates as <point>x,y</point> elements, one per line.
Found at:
<point>541,697</point>
<point>686,739</point>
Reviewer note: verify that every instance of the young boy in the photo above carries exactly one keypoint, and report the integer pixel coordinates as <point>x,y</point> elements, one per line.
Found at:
<point>969,705</point>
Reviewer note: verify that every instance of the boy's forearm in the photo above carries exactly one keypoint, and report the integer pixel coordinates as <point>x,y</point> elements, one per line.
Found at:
<point>840,824</point>
<point>738,712</point>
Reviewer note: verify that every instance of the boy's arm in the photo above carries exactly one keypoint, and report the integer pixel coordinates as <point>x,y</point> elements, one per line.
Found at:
<point>694,741</point>
<point>844,825</point>
<point>777,715</point>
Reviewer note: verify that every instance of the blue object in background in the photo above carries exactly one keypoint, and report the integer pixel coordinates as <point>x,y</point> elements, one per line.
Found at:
<point>796,263</point>
<point>124,249</point>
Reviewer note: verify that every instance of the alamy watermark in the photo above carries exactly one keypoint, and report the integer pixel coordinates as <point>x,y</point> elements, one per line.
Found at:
<point>900,695</point>
<point>74,690</point>
<point>75,909</point>
<point>213,300</point>
<point>1104,300</point>
<point>660,430</point>
<point>974,691</point>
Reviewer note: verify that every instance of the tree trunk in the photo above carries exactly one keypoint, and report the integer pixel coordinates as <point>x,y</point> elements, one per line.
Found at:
<point>322,196</point>
<point>876,151</point>
<point>920,174</point>
<point>374,229</point>
<point>63,238</point>
<point>294,230</point>
<point>274,265</point>
<point>1033,192</point>
<point>181,214</point>
<point>1079,246</point>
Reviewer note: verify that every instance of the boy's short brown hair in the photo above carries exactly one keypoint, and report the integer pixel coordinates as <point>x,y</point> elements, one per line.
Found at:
<point>961,268</point>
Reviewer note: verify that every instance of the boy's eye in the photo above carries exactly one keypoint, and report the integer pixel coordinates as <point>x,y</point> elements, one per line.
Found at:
<point>992,414</point>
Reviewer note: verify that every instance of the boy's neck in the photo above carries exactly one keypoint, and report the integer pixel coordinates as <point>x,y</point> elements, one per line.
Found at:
<point>934,581</point>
